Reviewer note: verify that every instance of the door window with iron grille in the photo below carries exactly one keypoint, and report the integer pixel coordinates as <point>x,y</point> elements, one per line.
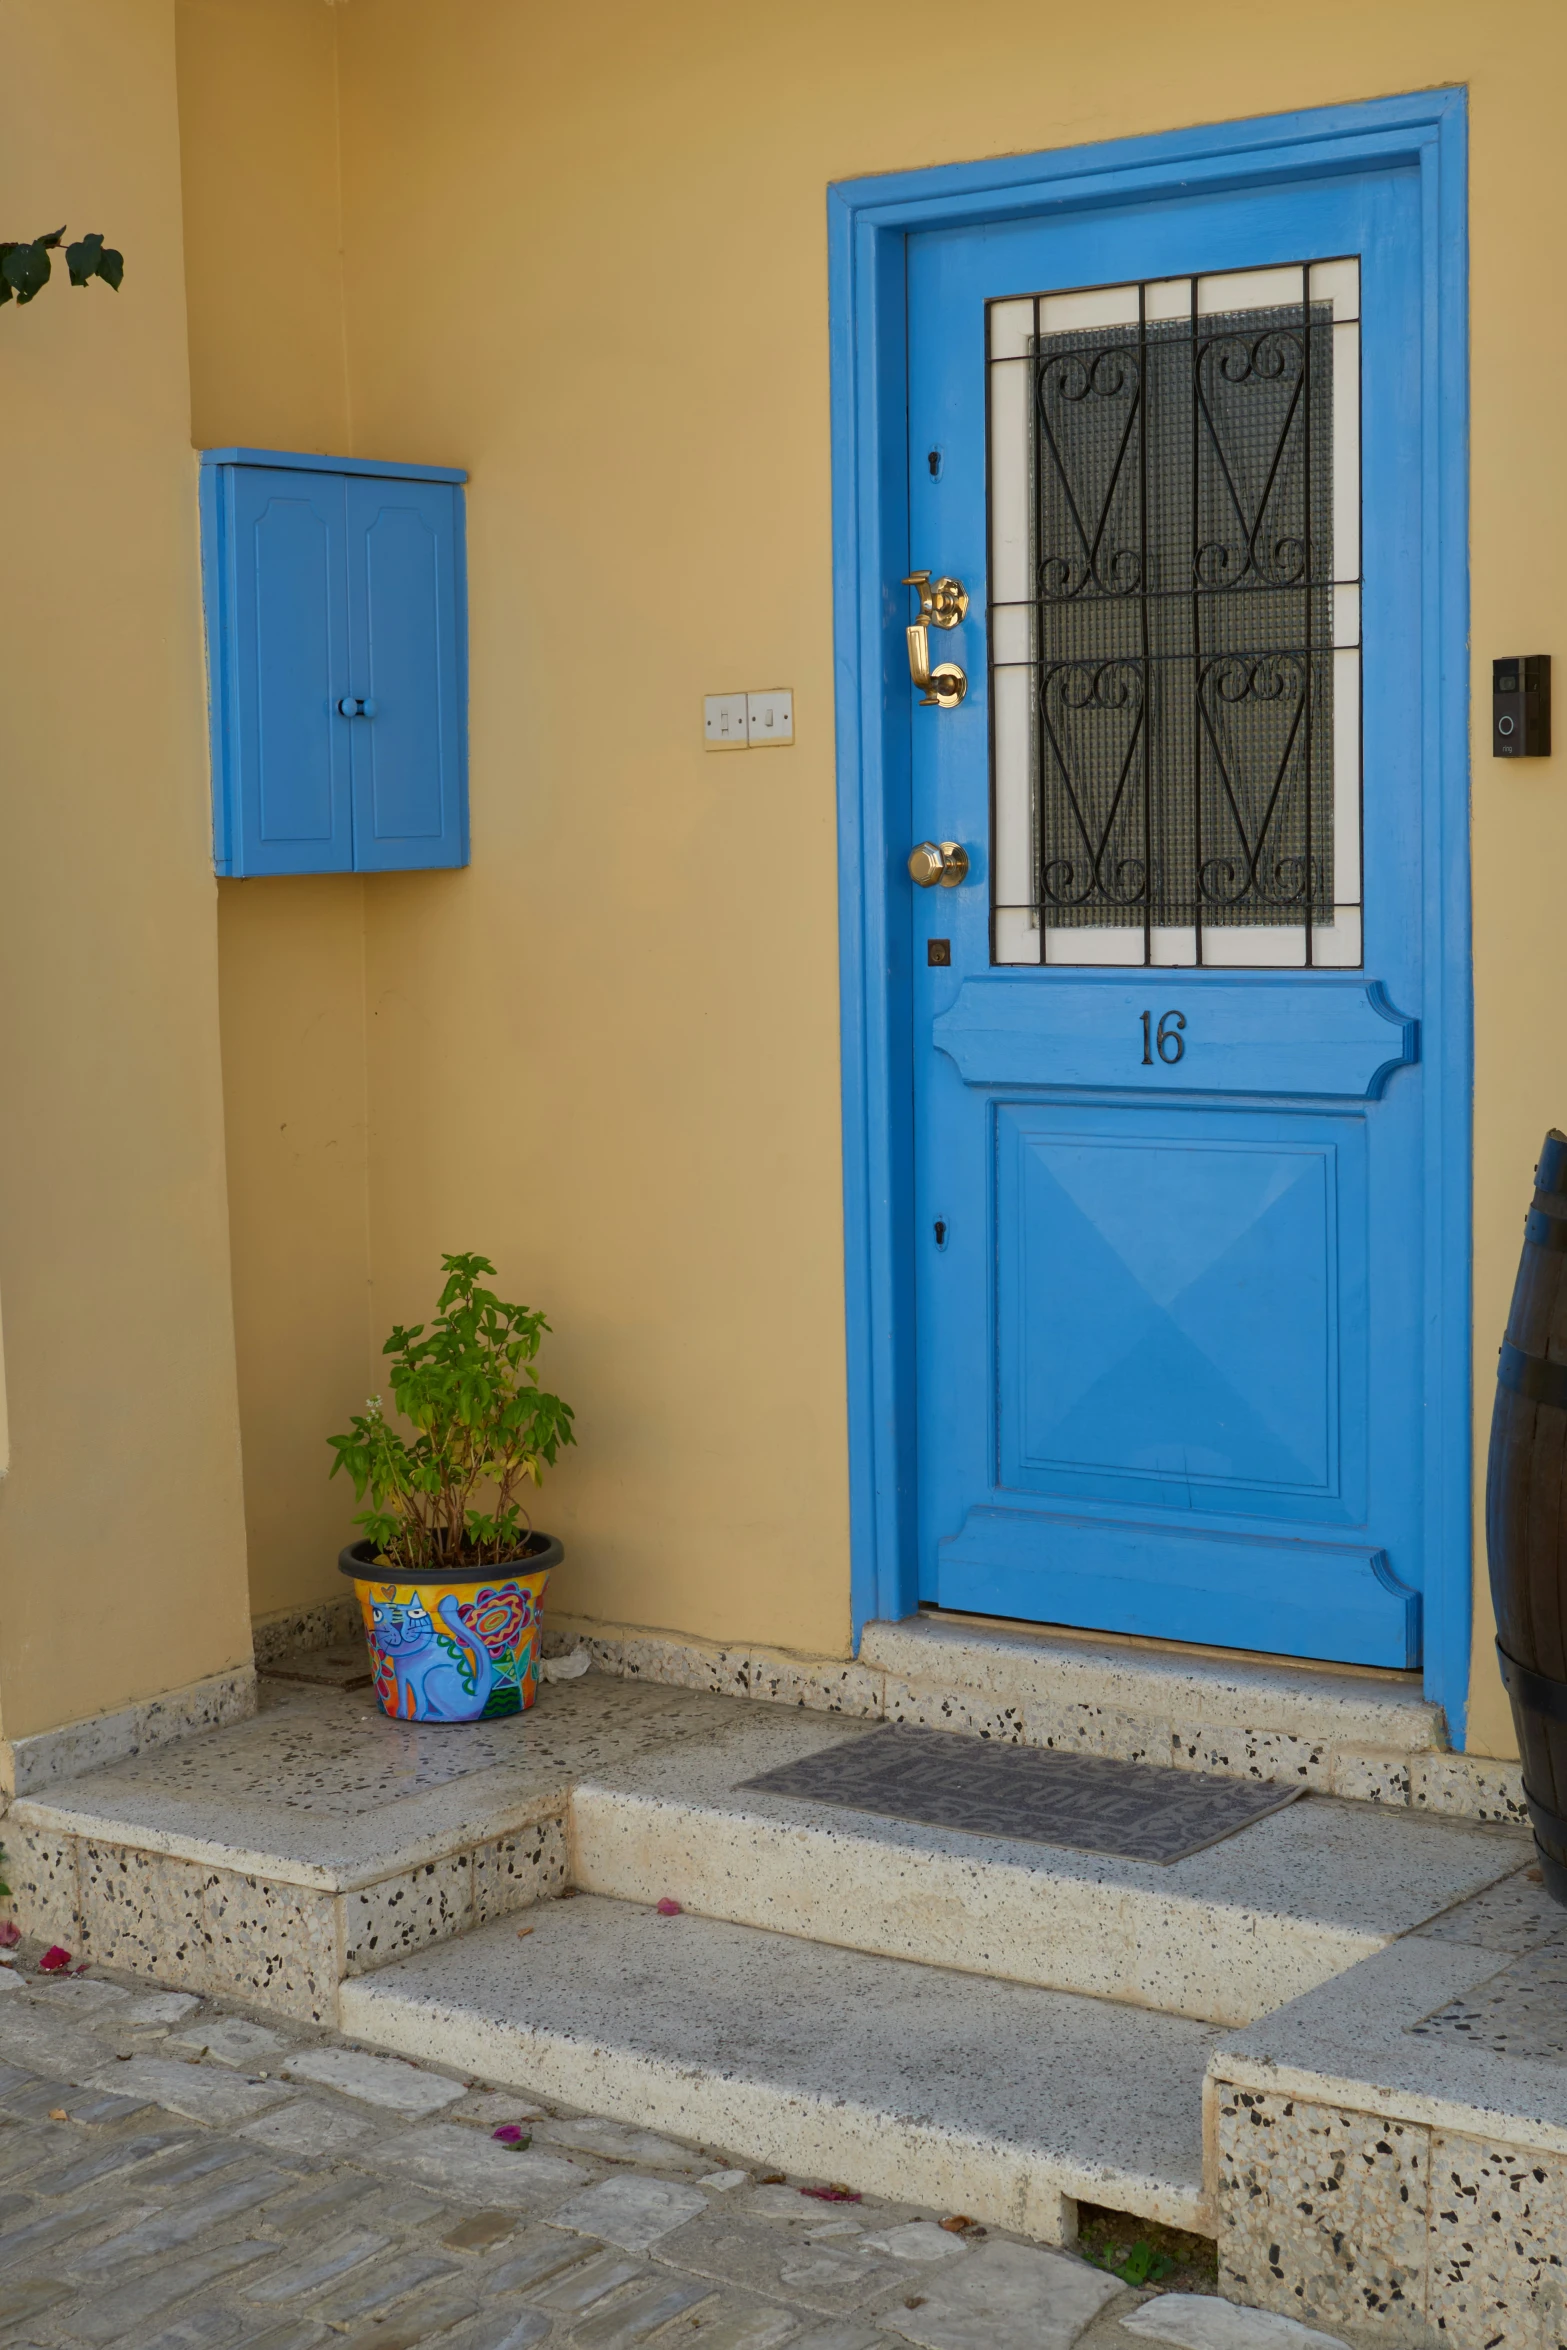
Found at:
<point>1175,621</point>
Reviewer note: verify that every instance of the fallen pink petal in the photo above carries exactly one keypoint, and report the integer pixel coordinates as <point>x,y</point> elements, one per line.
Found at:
<point>10,1934</point>
<point>54,1960</point>
<point>668,1908</point>
<point>509,2133</point>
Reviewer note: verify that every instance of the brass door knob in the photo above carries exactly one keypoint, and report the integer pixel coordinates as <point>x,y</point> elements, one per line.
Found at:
<point>938,861</point>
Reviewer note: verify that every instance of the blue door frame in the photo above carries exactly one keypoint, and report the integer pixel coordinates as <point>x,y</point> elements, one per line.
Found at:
<point>869,223</point>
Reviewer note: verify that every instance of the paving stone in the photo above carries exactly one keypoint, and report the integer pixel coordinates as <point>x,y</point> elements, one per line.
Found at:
<point>1199,2322</point>
<point>204,2328</point>
<point>10,1980</point>
<point>80,1995</point>
<point>322,2266</point>
<point>509,2329</point>
<point>481,2231</point>
<point>105,2106</point>
<point>301,2334</point>
<point>54,2230</point>
<point>727,2322</point>
<point>425,2320</point>
<point>205,2094</point>
<point>58,2047</point>
<point>231,2040</point>
<point>589,2281</point>
<point>155,2008</point>
<point>463,2163</point>
<point>632,2320</point>
<point>844,2334</point>
<point>167,2230</point>
<point>307,2126</point>
<point>493,2107</point>
<point>198,2159</point>
<point>321,2199</point>
<point>385,2284</point>
<point>101,2162</point>
<point>723,2182</point>
<point>29,2297</point>
<point>377,2080</point>
<point>766,2258</point>
<point>919,2240</point>
<point>401,2207</point>
<point>542,2254</point>
<point>631,2212</point>
<point>779,2203</point>
<point>129,2302</point>
<point>1006,2297</point>
<point>615,2142</point>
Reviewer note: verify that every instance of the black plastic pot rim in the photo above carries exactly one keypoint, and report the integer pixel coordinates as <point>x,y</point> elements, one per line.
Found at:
<point>359,1560</point>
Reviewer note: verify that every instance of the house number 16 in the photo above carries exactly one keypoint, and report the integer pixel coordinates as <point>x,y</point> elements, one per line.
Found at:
<point>1166,1039</point>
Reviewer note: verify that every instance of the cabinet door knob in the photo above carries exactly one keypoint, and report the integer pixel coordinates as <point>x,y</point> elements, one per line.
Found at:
<point>357,706</point>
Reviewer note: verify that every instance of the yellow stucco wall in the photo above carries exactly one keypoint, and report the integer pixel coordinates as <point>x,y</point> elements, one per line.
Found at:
<point>122,1567</point>
<point>584,255</point>
<point>268,367</point>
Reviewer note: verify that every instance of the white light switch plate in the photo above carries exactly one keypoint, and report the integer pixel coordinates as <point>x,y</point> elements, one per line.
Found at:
<point>770,716</point>
<point>723,722</point>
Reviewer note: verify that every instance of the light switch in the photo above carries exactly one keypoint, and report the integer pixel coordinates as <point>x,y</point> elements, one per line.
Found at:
<point>724,722</point>
<point>770,717</point>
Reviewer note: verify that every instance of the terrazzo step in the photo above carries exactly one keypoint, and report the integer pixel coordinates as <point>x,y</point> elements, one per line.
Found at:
<point>273,1858</point>
<point>995,2099</point>
<point>1223,1936</point>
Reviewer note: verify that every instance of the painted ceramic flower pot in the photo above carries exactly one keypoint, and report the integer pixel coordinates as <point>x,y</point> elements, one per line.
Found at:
<point>448,1648</point>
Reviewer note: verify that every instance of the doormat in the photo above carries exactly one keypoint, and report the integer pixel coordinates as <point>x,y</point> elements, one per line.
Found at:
<point>945,1779</point>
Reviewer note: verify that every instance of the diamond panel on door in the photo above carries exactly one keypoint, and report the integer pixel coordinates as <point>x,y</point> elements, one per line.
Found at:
<point>1168,1313</point>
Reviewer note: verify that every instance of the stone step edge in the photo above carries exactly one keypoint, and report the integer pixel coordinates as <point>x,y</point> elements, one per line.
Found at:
<point>1212,1958</point>
<point>1431,1778</point>
<point>260,1937</point>
<point>1025,2188</point>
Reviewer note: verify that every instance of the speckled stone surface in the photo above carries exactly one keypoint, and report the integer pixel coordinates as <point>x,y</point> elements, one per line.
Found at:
<point>28,1765</point>
<point>321,1789</point>
<point>1520,2011</point>
<point>1361,2041</point>
<point>991,2098</point>
<point>1322,2213</point>
<point>1222,1936</point>
<point>1498,2246</point>
<point>1469,1785</point>
<point>1368,1737</point>
<point>1390,2152</point>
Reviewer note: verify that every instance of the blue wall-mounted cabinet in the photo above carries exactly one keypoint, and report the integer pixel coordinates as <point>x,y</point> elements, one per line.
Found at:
<point>338,663</point>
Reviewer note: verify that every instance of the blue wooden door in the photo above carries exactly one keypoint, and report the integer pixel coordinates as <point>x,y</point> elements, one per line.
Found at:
<point>286,536</point>
<point>406,655</point>
<point>1169,1255</point>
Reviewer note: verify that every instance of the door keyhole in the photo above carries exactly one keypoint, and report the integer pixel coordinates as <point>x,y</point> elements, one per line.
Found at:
<point>941,1232</point>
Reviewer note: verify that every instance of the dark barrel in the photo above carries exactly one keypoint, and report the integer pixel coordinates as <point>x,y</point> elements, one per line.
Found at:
<point>1526,1510</point>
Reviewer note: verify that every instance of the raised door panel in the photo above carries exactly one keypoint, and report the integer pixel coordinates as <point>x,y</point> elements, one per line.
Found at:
<point>1176,1313</point>
<point>291,667</point>
<point>407,662</point>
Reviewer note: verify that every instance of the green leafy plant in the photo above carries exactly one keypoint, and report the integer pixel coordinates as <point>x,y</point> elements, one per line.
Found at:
<point>483,1427</point>
<point>5,1889</point>
<point>25,268</point>
<point>1134,2264</point>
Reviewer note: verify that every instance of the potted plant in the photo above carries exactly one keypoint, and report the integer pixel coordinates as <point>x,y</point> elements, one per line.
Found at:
<point>449,1574</point>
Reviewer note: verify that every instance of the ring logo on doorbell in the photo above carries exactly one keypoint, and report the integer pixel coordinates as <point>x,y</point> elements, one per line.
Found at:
<point>1521,707</point>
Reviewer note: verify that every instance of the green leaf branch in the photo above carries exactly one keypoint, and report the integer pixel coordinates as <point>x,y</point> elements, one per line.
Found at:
<point>483,1429</point>
<point>25,269</point>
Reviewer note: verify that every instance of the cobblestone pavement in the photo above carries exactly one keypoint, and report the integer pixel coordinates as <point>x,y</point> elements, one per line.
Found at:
<point>175,2175</point>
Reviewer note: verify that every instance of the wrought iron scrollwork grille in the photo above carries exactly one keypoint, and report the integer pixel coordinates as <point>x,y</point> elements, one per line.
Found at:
<point>1182,621</point>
